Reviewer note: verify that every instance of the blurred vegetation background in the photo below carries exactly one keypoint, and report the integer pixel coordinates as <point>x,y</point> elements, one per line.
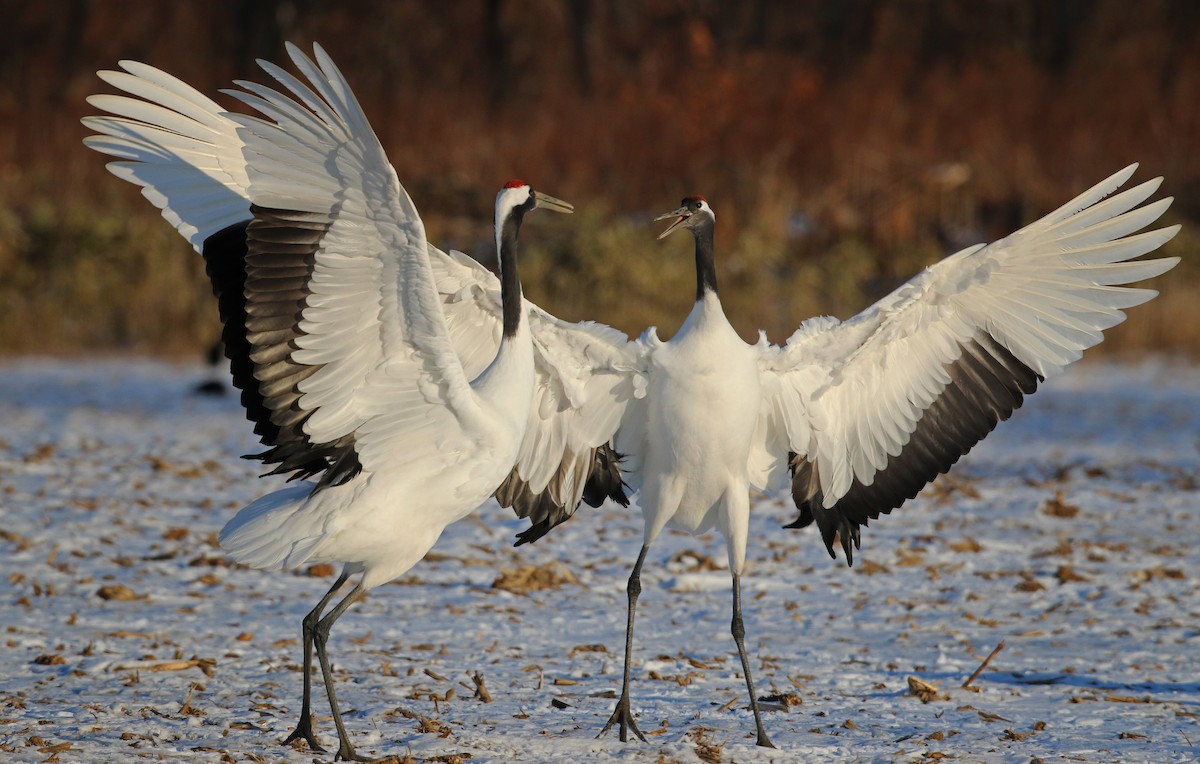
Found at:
<point>843,143</point>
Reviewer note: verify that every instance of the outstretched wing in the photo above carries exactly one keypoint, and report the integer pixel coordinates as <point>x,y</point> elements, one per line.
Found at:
<point>344,348</point>
<point>187,154</point>
<point>586,376</point>
<point>867,412</point>
<point>368,356</point>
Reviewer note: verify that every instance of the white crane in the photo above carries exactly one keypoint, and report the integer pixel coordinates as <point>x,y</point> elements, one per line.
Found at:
<point>862,414</point>
<point>402,378</point>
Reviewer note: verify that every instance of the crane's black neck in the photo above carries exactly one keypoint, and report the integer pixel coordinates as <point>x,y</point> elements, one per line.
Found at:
<point>706,265</point>
<point>510,277</point>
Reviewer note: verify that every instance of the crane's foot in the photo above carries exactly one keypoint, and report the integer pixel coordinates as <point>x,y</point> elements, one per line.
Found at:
<point>623,716</point>
<point>304,731</point>
<point>763,740</point>
<point>346,752</point>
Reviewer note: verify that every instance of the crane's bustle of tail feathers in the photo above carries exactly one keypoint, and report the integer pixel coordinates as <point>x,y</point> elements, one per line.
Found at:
<point>266,533</point>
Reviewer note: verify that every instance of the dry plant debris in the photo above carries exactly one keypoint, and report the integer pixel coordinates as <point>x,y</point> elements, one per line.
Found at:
<point>1066,575</point>
<point>785,699</point>
<point>118,592</point>
<point>966,546</point>
<point>995,651</point>
<point>924,690</point>
<point>1059,507</point>
<point>706,749</point>
<point>534,578</point>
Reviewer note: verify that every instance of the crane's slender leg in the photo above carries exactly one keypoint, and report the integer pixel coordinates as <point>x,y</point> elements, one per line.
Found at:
<point>622,714</point>
<point>738,629</point>
<point>308,627</point>
<point>345,750</point>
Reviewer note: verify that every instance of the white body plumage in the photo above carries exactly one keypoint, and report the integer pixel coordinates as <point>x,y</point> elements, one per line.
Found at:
<point>695,469</point>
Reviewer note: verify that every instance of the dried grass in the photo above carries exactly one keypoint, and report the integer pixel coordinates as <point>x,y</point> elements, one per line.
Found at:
<point>534,578</point>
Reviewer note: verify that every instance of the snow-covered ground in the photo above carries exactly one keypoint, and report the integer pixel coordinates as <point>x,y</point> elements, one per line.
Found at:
<point>1070,534</point>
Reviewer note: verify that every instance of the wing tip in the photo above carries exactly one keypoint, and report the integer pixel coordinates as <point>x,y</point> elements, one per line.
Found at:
<point>1125,173</point>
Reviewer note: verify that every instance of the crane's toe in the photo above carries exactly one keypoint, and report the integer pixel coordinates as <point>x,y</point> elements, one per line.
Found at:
<point>622,715</point>
<point>346,752</point>
<point>764,741</point>
<point>304,731</point>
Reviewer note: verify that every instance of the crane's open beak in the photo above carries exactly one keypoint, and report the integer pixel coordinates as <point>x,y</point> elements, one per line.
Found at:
<point>547,202</point>
<point>680,215</point>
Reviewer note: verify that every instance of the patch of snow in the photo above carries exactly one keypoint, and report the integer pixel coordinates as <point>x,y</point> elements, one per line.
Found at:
<point>1070,534</point>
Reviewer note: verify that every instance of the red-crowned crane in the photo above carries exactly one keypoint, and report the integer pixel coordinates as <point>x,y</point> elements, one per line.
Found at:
<point>401,379</point>
<point>862,414</point>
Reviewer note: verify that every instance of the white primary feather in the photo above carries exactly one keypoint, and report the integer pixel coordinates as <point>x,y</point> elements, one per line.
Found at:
<point>178,145</point>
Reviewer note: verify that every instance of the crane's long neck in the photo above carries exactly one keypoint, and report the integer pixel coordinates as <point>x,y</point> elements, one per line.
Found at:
<point>506,383</point>
<point>706,265</point>
<point>510,278</point>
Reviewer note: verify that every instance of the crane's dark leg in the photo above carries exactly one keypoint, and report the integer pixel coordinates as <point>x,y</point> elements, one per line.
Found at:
<point>308,627</point>
<point>738,629</point>
<point>622,714</point>
<point>345,750</point>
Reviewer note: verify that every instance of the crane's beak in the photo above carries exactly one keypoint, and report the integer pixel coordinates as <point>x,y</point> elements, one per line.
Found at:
<point>547,202</point>
<point>680,215</point>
